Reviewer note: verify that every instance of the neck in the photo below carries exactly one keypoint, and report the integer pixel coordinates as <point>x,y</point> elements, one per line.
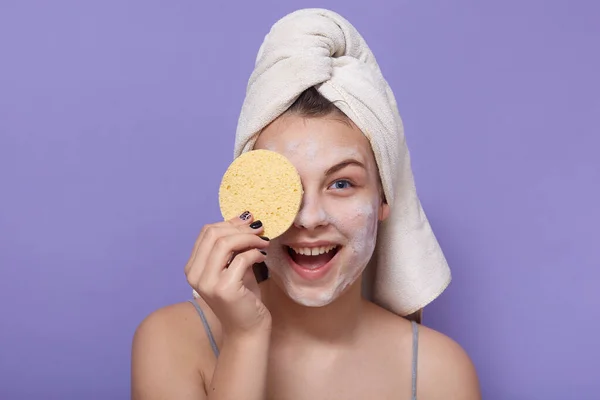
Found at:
<point>337,322</point>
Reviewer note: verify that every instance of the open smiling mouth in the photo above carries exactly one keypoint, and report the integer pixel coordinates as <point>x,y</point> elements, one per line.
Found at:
<point>312,258</point>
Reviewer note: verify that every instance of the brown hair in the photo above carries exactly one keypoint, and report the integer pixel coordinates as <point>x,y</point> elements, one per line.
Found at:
<point>312,104</point>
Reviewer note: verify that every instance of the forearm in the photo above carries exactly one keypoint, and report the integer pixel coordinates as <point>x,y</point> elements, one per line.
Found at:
<point>241,371</point>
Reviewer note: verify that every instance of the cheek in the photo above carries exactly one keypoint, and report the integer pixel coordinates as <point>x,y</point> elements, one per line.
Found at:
<point>357,221</point>
<point>365,234</point>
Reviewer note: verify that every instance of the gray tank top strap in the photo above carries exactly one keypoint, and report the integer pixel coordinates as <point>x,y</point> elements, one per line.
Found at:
<point>209,333</point>
<point>415,354</point>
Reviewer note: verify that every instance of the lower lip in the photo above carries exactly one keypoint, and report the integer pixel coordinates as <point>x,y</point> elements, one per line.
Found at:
<point>311,274</point>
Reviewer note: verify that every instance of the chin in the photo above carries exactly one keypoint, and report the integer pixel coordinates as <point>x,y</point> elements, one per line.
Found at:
<point>313,297</point>
<point>316,293</point>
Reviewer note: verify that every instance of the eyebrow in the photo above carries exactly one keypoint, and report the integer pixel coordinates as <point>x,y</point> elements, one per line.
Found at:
<point>344,164</point>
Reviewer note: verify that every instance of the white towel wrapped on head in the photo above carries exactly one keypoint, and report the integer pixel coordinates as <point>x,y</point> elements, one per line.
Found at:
<point>317,47</point>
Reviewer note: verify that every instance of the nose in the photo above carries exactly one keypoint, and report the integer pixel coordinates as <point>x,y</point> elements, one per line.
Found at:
<point>311,214</point>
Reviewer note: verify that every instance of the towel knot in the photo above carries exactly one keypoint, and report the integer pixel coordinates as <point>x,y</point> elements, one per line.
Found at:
<point>310,44</point>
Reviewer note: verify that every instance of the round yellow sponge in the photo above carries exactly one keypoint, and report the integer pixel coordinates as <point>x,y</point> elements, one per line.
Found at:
<point>265,183</point>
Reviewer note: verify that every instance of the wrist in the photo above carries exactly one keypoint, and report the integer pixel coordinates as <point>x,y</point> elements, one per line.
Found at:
<point>254,337</point>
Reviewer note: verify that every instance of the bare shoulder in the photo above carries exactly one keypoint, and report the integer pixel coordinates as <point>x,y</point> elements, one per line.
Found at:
<point>445,371</point>
<point>170,354</point>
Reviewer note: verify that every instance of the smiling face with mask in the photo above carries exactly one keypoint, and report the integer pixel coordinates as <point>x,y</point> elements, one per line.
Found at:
<point>333,236</point>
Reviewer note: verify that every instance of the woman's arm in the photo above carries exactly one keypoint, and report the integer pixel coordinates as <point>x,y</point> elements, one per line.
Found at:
<point>241,371</point>
<point>166,365</point>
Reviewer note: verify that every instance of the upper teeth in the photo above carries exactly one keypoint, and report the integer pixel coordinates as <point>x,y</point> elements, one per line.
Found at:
<point>313,251</point>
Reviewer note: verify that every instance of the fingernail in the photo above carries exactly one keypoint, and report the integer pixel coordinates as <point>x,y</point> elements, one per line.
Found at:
<point>263,252</point>
<point>245,216</point>
<point>256,225</point>
<point>264,238</point>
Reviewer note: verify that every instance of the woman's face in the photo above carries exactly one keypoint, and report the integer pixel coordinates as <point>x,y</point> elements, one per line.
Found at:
<point>333,236</point>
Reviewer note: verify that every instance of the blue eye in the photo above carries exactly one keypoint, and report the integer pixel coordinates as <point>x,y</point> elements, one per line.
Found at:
<point>341,184</point>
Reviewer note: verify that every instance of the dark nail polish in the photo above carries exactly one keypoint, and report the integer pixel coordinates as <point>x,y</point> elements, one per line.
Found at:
<point>245,216</point>
<point>264,238</point>
<point>263,252</point>
<point>256,225</point>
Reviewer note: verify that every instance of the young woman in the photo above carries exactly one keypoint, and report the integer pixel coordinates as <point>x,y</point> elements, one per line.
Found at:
<point>305,332</point>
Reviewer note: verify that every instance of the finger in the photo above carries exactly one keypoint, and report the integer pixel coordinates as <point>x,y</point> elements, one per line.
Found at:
<point>244,218</point>
<point>242,263</point>
<point>211,235</point>
<point>205,242</point>
<point>198,261</point>
<point>246,223</point>
<point>223,250</point>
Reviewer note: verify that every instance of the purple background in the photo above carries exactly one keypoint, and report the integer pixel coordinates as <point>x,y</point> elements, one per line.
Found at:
<point>117,120</point>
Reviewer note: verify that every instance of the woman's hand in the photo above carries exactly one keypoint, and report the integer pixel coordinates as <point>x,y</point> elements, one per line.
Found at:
<point>220,270</point>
